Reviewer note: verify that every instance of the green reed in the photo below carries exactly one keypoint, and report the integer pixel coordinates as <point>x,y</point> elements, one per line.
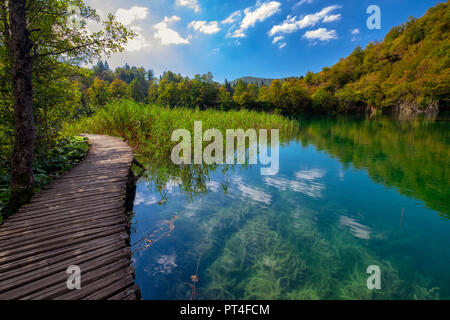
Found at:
<point>148,128</point>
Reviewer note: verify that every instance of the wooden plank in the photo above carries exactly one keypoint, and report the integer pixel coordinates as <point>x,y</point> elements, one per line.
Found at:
<point>72,208</point>
<point>78,198</point>
<point>108,252</point>
<point>75,204</point>
<point>63,216</point>
<point>59,258</point>
<point>124,277</point>
<point>61,231</point>
<point>57,290</point>
<point>80,192</point>
<point>59,276</point>
<point>74,187</point>
<point>57,223</point>
<point>58,242</point>
<point>95,243</point>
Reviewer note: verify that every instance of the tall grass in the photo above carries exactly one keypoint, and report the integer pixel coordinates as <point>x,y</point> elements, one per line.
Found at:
<point>148,129</point>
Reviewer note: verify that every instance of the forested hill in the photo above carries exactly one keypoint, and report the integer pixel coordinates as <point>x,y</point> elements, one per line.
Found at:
<point>409,69</point>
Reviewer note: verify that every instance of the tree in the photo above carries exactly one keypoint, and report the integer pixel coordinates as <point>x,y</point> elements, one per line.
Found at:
<point>253,91</point>
<point>151,76</point>
<point>275,94</point>
<point>297,97</point>
<point>224,96</point>
<point>117,89</point>
<point>56,98</point>
<point>35,30</point>
<point>20,44</point>
<point>152,94</point>
<point>323,100</point>
<point>136,91</point>
<point>263,93</point>
<point>168,94</point>
<point>98,93</point>
<point>246,100</point>
<point>240,88</point>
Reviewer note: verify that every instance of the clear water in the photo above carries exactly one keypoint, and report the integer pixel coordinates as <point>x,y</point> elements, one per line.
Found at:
<point>350,193</point>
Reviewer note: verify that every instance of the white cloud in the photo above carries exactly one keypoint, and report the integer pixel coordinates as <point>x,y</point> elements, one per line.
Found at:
<point>292,24</point>
<point>331,18</point>
<point>302,2</point>
<point>276,39</point>
<point>236,34</point>
<point>146,200</point>
<point>261,13</point>
<point>312,174</point>
<point>355,33</point>
<point>205,27</point>
<point>128,16</point>
<point>232,18</point>
<point>172,19</point>
<point>357,229</point>
<point>247,192</point>
<point>167,35</point>
<point>138,42</point>
<point>312,189</point>
<point>321,34</point>
<point>193,4</point>
<point>213,186</point>
<point>279,39</point>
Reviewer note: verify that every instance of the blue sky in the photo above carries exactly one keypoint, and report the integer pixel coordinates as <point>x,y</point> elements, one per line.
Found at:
<point>236,38</point>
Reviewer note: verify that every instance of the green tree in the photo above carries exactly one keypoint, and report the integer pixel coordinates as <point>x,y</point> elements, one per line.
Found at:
<point>98,93</point>
<point>240,88</point>
<point>136,91</point>
<point>323,100</point>
<point>168,94</point>
<point>117,89</point>
<point>275,93</point>
<point>152,94</point>
<point>297,97</point>
<point>224,96</point>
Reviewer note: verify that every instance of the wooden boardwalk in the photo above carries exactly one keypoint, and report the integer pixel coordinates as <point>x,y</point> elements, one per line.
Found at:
<point>79,219</point>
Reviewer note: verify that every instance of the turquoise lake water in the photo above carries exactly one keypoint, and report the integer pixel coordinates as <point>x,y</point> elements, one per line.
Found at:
<point>350,193</point>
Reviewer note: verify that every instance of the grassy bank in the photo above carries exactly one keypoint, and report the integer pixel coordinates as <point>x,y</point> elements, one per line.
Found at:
<point>148,129</point>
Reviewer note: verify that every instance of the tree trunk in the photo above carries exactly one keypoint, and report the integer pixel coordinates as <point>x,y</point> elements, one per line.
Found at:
<point>20,52</point>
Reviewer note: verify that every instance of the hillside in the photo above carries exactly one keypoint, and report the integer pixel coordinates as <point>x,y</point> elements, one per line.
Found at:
<point>409,70</point>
